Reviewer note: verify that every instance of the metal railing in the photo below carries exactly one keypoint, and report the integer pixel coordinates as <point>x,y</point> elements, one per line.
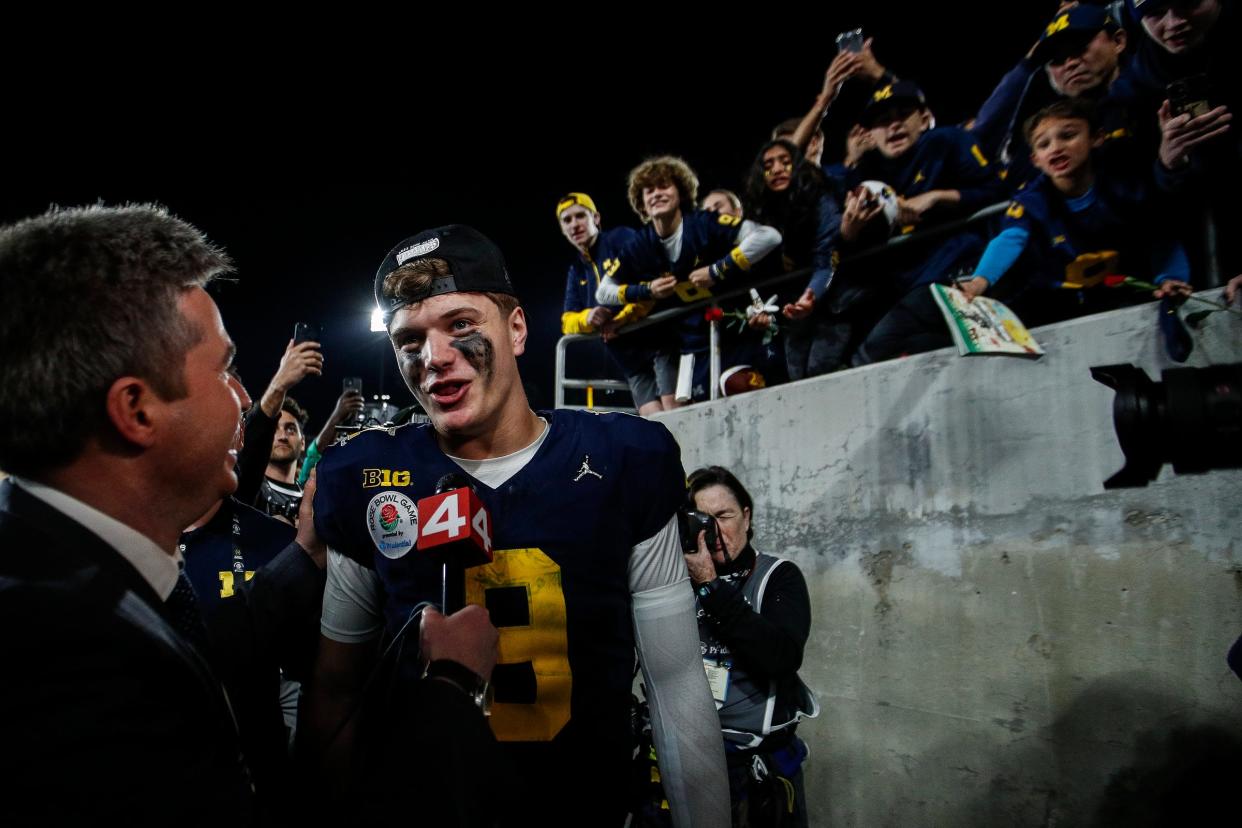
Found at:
<point>590,385</point>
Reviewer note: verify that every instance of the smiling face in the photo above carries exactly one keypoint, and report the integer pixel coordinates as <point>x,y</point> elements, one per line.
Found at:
<point>198,449</point>
<point>580,226</point>
<point>1082,65</point>
<point>894,131</point>
<point>1061,147</point>
<point>777,169</point>
<point>661,200</point>
<point>458,356</point>
<point>1182,25</point>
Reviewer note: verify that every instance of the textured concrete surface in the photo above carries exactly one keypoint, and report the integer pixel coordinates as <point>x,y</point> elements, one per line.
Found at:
<point>996,639</point>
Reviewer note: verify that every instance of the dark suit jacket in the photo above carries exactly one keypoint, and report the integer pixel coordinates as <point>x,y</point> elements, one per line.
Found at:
<point>110,716</point>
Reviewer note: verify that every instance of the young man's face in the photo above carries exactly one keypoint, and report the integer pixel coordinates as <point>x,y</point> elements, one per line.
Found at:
<point>458,356</point>
<point>1061,147</point>
<point>777,169</point>
<point>661,200</point>
<point>287,444</point>
<point>1082,66</point>
<point>580,226</point>
<point>895,131</point>
<point>1182,25</point>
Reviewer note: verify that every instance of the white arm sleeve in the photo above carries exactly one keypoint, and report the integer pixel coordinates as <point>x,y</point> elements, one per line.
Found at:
<point>351,612</point>
<point>658,561</point>
<point>684,724</point>
<point>757,240</point>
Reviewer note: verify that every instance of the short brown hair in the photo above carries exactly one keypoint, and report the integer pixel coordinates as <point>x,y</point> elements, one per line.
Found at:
<point>411,281</point>
<point>1066,109</point>
<point>89,295</point>
<point>660,172</point>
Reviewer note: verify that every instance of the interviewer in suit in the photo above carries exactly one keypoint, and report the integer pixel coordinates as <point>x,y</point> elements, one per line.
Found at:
<point>118,414</point>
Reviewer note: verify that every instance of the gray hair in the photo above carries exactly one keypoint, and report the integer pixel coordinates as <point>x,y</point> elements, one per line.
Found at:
<point>89,295</point>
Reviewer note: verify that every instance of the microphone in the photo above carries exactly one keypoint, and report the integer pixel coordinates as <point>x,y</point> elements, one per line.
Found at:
<point>456,531</point>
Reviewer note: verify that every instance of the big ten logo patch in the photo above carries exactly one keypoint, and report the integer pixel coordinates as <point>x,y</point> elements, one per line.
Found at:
<point>373,478</point>
<point>521,589</point>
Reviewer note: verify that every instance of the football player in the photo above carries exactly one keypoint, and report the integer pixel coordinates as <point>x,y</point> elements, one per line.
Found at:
<point>586,569</point>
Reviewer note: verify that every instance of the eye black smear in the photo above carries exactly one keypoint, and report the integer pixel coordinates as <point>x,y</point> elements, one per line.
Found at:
<point>478,351</point>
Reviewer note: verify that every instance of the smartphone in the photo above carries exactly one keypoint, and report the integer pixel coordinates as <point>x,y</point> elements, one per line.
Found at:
<point>851,41</point>
<point>1189,95</point>
<point>352,384</point>
<point>306,332</point>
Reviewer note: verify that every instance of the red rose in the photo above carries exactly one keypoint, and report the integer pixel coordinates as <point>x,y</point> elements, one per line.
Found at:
<point>1115,280</point>
<point>713,314</point>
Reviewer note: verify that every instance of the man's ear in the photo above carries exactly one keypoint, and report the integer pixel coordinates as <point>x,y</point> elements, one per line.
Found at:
<point>1097,139</point>
<point>131,408</point>
<point>517,330</point>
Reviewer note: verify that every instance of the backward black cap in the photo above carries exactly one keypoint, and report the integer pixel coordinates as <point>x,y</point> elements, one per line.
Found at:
<point>475,265</point>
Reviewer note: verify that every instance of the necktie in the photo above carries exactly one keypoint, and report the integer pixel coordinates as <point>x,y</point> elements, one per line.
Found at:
<point>184,615</point>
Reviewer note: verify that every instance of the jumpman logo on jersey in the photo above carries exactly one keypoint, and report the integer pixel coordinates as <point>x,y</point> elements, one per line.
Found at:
<point>586,469</point>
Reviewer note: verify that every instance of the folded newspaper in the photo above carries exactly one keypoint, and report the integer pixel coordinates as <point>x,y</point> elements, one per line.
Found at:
<point>984,326</point>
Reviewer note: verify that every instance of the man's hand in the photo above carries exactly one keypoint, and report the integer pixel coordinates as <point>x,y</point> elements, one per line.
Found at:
<point>347,407</point>
<point>802,308</point>
<point>702,278</point>
<point>868,66</point>
<point>300,361</point>
<point>307,537</point>
<point>608,331</point>
<point>700,563</point>
<point>857,143</point>
<point>467,637</point>
<point>598,316</point>
<point>843,67</point>
<point>911,210</point>
<point>1233,290</point>
<point>1182,133</point>
<point>973,287</point>
<point>760,321</point>
<point>859,211</point>
<point>663,287</point>
<point>1173,289</point>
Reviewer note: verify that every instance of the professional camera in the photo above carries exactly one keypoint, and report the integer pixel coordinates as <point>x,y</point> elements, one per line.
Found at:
<point>689,523</point>
<point>1193,419</point>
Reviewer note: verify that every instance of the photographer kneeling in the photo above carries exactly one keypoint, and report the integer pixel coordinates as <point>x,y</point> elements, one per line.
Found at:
<point>754,617</point>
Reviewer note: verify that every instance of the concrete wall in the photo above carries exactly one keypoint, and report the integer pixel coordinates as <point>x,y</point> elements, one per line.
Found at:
<point>996,639</point>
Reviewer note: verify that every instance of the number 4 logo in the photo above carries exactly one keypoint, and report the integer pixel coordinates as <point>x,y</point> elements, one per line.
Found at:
<point>480,526</point>
<point>446,518</point>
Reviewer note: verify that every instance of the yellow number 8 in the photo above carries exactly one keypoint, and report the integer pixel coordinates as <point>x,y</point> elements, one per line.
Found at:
<point>521,589</point>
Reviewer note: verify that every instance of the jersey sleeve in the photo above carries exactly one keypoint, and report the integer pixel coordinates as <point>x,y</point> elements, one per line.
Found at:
<point>976,178</point>
<point>654,485</point>
<point>336,499</point>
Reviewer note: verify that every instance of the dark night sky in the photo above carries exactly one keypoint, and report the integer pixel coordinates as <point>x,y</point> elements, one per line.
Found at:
<point>308,160</point>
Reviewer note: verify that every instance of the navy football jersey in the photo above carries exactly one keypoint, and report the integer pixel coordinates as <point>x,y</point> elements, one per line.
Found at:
<point>228,549</point>
<point>557,589</point>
